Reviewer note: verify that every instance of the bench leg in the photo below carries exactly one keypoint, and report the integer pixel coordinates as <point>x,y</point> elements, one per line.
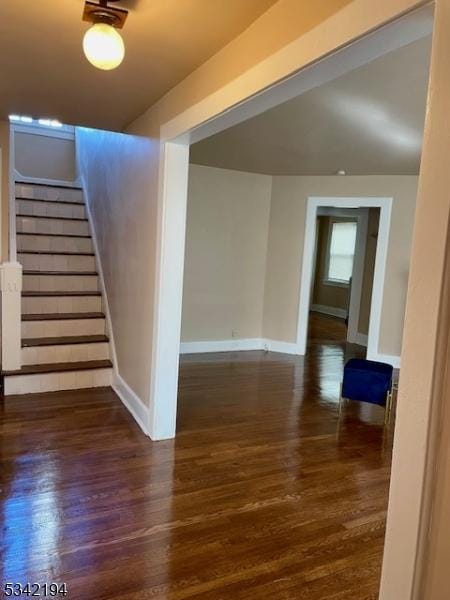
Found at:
<point>340,402</point>
<point>388,409</point>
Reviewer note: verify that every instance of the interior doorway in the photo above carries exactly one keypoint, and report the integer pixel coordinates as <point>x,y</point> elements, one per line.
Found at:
<point>343,270</point>
<point>373,295</point>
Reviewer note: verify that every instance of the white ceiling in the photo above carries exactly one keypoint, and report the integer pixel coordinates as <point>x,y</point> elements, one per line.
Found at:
<point>44,73</point>
<point>369,121</point>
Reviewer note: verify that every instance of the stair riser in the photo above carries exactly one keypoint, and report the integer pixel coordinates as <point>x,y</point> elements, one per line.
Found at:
<point>63,304</point>
<point>37,208</point>
<point>48,193</point>
<point>42,243</point>
<point>65,327</point>
<point>56,262</point>
<point>60,283</point>
<point>53,382</point>
<point>40,355</point>
<point>55,226</point>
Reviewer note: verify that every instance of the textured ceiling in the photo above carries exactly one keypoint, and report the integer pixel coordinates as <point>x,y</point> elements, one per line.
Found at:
<point>369,121</point>
<point>44,73</point>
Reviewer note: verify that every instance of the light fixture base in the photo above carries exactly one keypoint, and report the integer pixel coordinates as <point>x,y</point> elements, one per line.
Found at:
<point>102,13</point>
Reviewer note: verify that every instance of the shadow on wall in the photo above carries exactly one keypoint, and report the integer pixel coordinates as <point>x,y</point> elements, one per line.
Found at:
<point>117,171</point>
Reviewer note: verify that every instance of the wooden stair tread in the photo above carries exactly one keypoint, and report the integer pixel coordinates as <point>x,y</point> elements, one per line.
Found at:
<point>51,217</point>
<point>51,185</point>
<point>52,252</point>
<point>70,273</point>
<point>70,202</point>
<point>66,235</point>
<point>61,367</point>
<point>63,340</point>
<point>57,294</point>
<point>62,316</point>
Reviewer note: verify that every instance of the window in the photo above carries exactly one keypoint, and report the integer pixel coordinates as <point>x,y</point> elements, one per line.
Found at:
<point>30,121</point>
<point>341,252</point>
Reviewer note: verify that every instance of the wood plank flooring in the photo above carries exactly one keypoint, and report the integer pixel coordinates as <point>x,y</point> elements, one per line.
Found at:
<point>263,495</point>
<point>326,328</point>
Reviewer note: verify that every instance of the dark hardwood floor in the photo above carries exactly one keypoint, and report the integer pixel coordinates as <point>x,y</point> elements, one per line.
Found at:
<point>326,328</point>
<point>265,494</point>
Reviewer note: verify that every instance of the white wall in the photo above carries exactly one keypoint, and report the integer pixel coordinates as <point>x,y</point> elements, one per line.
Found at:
<point>225,261</point>
<point>244,252</point>
<point>118,171</point>
<point>44,156</point>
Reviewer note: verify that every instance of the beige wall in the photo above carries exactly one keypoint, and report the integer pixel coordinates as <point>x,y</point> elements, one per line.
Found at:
<point>333,296</point>
<point>369,269</point>
<point>45,157</point>
<point>285,249</point>
<point>4,213</point>
<point>225,260</point>
<point>244,243</point>
<point>117,171</point>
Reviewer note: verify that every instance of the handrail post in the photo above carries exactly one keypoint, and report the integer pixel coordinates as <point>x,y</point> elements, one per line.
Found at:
<point>11,288</point>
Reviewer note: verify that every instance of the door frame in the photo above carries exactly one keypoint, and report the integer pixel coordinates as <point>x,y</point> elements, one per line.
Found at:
<point>362,219</point>
<point>313,205</point>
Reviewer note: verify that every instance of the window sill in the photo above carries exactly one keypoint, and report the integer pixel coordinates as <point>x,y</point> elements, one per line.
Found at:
<point>334,283</point>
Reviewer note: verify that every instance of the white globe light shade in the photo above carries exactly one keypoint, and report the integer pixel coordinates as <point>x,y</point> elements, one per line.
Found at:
<point>103,46</point>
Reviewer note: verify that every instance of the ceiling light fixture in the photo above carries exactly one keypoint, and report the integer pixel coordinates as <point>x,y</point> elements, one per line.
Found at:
<point>103,44</point>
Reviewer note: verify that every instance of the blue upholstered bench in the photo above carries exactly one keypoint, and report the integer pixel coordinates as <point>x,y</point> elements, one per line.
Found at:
<point>368,381</point>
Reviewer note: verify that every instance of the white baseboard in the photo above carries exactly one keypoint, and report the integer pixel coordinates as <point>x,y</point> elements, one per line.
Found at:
<point>395,361</point>
<point>282,347</point>
<point>387,358</point>
<point>50,182</point>
<point>221,345</point>
<point>361,339</point>
<point>235,345</point>
<point>132,402</point>
<point>329,310</point>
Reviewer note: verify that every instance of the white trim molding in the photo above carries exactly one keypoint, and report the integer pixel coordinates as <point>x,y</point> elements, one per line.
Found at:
<point>395,361</point>
<point>65,132</point>
<point>132,402</point>
<point>171,234</point>
<point>200,347</point>
<point>19,178</point>
<point>238,345</point>
<point>281,347</point>
<point>361,339</point>
<point>313,204</point>
<point>331,311</point>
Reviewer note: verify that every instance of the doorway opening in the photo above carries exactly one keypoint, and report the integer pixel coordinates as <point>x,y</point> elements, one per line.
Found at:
<point>344,272</point>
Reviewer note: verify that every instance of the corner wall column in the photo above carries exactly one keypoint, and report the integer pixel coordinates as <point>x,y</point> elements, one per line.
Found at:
<point>169,290</point>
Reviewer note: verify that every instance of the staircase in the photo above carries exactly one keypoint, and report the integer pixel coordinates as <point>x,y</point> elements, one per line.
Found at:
<point>64,341</point>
